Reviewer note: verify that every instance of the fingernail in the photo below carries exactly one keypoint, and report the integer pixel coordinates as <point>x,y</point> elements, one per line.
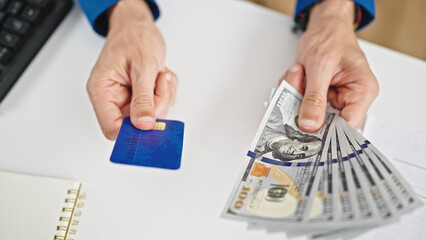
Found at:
<point>307,123</point>
<point>145,123</point>
<point>146,119</point>
<point>294,68</point>
<point>168,77</point>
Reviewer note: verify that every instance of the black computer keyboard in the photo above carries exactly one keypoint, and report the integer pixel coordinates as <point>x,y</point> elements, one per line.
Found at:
<point>25,25</point>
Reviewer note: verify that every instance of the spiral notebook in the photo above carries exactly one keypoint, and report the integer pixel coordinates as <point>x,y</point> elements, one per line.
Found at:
<point>33,207</point>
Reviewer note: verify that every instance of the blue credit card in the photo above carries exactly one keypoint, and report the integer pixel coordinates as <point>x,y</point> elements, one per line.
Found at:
<point>160,147</point>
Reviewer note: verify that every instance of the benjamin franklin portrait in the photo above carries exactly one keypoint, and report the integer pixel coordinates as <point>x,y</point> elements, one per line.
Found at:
<point>284,142</point>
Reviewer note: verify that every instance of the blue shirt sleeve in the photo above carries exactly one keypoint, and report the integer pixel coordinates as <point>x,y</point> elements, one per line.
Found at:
<point>96,10</point>
<point>368,10</point>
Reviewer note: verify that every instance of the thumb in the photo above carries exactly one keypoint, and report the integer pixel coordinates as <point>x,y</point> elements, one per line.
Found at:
<point>142,108</point>
<point>314,103</point>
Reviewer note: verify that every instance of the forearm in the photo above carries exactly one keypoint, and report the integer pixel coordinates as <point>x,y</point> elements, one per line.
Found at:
<point>329,11</point>
<point>97,11</point>
<point>126,11</point>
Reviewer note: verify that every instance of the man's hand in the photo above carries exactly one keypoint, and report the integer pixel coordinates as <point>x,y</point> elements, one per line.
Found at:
<point>330,66</point>
<point>129,77</point>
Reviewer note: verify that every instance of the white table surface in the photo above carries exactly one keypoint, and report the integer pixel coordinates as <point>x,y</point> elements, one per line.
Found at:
<point>228,55</point>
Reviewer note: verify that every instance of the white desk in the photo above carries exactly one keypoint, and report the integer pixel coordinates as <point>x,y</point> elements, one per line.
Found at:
<point>228,55</point>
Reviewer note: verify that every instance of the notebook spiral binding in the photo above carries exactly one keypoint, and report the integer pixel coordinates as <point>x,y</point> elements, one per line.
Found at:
<point>71,210</point>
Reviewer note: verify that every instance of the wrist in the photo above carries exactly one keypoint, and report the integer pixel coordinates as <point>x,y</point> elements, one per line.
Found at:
<point>332,10</point>
<point>125,11</point>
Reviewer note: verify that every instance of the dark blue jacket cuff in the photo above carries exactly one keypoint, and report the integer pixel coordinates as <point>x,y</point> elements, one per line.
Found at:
<point>368,10</point>
<point>96,12</point>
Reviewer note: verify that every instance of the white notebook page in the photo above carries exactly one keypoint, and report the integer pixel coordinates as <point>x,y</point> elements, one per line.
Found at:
<point>30,206</point>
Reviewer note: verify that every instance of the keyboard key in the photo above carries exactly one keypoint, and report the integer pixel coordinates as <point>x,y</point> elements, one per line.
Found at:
<point>10,40</point>
<point>3,4</point>
<point>5,55</point>
<point>15,7</point>
<point>2,16</point>
<point>30,14</point>
<point>17,26</point>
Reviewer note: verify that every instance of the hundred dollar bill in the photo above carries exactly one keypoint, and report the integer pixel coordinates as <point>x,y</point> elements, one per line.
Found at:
<point>368,179</point>
<point>397,194</point>
<point>347,204</point>
<point>278,182</point>
<point>330,185</point>
<point>315,216</point>
<point>376,196</point>
<point>327,189</point>
<point>351,206</point>
<point>400,193</point>
<point>362,203</point>
<point>388,190</point>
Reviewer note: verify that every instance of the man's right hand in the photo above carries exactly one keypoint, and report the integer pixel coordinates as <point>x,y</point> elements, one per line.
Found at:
<point>330,66</point>
<point>129,77</point>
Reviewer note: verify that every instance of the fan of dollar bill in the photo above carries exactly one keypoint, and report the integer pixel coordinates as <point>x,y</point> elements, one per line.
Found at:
<point>328,183</point>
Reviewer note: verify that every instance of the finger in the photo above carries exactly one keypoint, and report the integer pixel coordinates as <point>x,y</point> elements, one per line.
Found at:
<point>314,103</point>
<point>109,118</point>
<point>332,97</point>
<point>107,100</point>
<point>142,108</point>
<point>294,76</point>
<point>165,91</point>
<point>354,112</point>
<point>170,78</point>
